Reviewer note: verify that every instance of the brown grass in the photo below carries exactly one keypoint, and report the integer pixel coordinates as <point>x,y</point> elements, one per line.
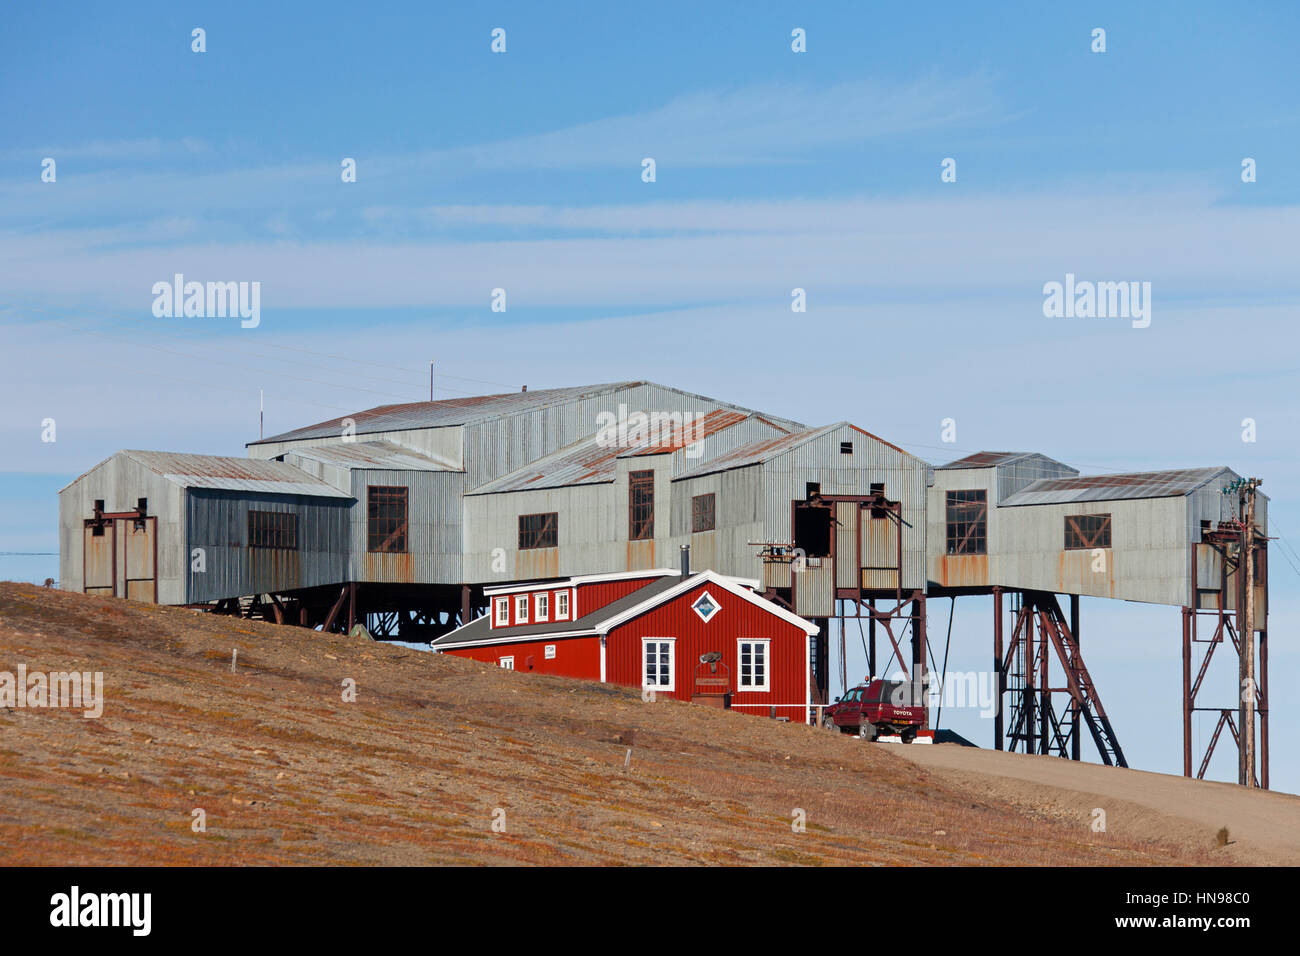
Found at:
<point>413,772</point>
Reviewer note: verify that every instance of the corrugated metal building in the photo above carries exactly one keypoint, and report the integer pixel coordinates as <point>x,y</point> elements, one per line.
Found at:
<point>1027,522</point>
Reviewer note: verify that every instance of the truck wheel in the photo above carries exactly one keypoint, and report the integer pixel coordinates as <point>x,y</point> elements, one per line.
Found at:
<point>828,722</point>
<point>866,731</point>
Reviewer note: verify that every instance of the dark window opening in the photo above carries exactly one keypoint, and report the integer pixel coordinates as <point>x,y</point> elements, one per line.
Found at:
<point>97,531</point>
<point>812,531</point>
<point>878,488</point>
<point>99,504</point>
<point>386,519</point>
<point>846,448</point>
<point>539,531</point>
<point>703,513</point>
<point>641,502</point>
<point>811,490</point>
<point>1085,532</point>
<point>273,529</point>
<point>967,522</point>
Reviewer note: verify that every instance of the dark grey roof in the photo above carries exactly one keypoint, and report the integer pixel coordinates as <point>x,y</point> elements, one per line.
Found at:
<point>481,629</point>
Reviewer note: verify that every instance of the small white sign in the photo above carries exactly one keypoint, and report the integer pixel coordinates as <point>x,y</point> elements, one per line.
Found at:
<point>550,652</point>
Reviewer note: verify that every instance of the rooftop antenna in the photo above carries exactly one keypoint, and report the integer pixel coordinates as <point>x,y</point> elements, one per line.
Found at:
<point>261,414</point>
<point>430,381</point>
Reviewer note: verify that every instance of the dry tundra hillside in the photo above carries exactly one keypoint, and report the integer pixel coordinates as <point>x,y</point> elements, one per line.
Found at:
<point>434,749</point>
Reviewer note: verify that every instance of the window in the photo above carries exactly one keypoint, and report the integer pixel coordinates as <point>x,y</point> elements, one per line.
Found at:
<point>812,530</point>
<point>703,516</point>
<point>1085,532</point>
<point>641,505</point>
<point>503,612</point>
<point>542,608</point>
<point>521,609</point>
<point>705,607</point>
<point>386,519</point>
<point>812,489</point>
<point>562,606</point>
<point>273,529</point>
<point>753,665</point>
<point>538,531</point>
<point>967,514</point>
<point>878,488</point>
<point>657,663</point>
<point>846,448</point>
<point>507,663</point>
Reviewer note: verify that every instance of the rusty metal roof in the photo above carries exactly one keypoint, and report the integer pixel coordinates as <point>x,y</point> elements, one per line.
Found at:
<point>444,412</point>
<point>374,454</point>
<point>987,459</point>
<point>710,422</point>
<point>1138,484</point>
<point>233,474</point>
<point>757,452</point>
<point>593,459</point>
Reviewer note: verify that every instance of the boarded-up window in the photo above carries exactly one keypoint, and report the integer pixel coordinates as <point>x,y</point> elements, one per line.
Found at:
<point>273,529</point>
<point>386,519</point>
<point>967,522</point>
<point>1085,532</point>
<point>539,531</point>
<point>703,516</point>
<point>641,505</point>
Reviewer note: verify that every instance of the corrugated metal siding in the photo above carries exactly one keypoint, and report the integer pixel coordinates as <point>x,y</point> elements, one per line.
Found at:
<point>218,523</point>
<point>904,477</point>
<point>434,528</point>
<point>119,481</point>
<point>736,618</point>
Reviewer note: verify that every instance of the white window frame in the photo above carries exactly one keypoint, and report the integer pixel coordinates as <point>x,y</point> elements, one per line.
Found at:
<point>767,664</point>
<point>716,607</point>
<point>521,608</point>
<point>542,606</point>
<point>506,663</point>
<point>672,663</point>
<point>503,613</point>
<point>562,596</point>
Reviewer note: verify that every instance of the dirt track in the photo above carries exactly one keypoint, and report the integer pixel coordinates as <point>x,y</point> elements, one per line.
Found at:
<point>435,748</point>
<point>1263,827</point>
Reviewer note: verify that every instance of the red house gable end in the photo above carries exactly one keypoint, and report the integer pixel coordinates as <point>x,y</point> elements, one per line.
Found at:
<point>736,619</point>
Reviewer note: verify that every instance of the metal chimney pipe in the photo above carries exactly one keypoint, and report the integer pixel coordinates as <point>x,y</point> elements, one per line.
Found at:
<point>686,560</point>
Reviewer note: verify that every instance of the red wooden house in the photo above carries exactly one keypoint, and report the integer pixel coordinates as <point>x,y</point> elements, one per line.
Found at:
<point>704,637</point>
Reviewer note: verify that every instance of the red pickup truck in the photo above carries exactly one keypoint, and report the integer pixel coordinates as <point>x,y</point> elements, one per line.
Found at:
<point>877,708</point>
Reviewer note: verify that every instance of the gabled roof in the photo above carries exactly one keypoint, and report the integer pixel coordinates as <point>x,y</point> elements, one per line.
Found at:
<point>593,459</point>
<point>233,474</point>
<point>444,412</point>
<point>757,452</point>
<point>988,459</point>
<point>475,408</point>
<point>1137,484</point>
<point>602,620</point>
<point>373,454</point>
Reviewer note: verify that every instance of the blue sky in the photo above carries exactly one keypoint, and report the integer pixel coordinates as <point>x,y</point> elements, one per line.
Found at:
<point>775,170</point>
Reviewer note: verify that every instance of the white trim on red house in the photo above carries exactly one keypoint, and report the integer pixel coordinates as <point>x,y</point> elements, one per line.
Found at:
<point>726,583</point>
<point>807,680</point>
<point>516,639</point>
<point>602,659</point>
<point>583,579</point>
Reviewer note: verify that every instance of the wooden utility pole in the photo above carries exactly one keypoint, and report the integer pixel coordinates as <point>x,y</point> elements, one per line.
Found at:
<point>1248,685</point>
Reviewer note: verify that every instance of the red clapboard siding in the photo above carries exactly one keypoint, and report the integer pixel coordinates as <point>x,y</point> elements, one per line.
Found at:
<point>737,618</point>
<point>574,656</point>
